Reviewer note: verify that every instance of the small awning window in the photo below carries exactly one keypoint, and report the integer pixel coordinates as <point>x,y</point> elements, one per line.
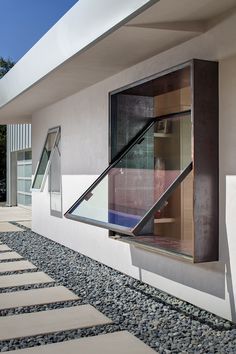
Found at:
<point>45,159</point>
<point>140,180</point>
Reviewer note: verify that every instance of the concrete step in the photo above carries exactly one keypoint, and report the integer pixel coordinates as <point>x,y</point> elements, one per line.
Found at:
<point>5,256</point>
<point>36,323</point>
<point>15,266</point>
<point>7,227</point>
<point>12,280</point>
<point>35,297</point>
<point>112,343</point>
<point>14,214</point>
<point>4,248</point>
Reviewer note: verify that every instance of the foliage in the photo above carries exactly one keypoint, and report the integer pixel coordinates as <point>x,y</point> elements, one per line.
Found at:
<point>5,66</point>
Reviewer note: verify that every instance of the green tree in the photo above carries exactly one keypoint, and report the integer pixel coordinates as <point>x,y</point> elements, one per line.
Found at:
<point>5,66</point>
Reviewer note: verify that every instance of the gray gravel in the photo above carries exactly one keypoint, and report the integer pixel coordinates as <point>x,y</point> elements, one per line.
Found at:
<point>165,323</point>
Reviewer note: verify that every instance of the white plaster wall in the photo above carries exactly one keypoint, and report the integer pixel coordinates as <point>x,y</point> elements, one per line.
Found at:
<point>84,121</point>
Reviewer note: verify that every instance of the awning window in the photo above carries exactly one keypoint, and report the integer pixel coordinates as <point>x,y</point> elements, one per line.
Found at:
<point>45,159</point>
<point>140,180</point>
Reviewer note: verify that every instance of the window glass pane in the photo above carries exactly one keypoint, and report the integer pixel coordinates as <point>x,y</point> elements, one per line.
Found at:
<point>24,170</point>
<point>24,155</point>
<point>23,199</point>
<point>143,175</point>
<point>44,159</point>
<point>20,155</point>
<point>55,182</point>
<point>28,155</point>
<point>173,224</point>
<point>24,185</point>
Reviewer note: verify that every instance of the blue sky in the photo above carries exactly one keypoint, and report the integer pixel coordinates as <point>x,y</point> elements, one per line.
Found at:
<point>24,22</point>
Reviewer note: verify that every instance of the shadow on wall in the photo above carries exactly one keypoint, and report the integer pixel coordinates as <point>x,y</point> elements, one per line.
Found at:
<point>204,277</point>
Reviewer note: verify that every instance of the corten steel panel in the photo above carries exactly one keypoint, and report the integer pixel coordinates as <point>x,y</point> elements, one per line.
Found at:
<point>204,76</point>
<point>206,160</point>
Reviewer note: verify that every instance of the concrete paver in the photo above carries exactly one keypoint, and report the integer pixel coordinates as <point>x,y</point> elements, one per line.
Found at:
<point>4,248</point>
<point>14,214</point>
<point>12,280</point>
<point>15,266</point>
<point>35,297</point>
<point>7,227</point>
<point>112,343</point>
<point>5,256</point>
<point>36,323</point>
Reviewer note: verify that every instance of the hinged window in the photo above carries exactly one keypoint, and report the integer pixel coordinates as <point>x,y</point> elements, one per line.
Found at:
<point>55,181</point>
<point>160,191</point>
<point>126,196</point>
<point>45,159</point>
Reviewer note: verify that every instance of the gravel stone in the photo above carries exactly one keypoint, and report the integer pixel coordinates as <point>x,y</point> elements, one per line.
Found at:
<point>165,323</point>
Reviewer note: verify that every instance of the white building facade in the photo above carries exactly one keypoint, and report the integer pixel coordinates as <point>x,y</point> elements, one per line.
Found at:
<point>93,51</point>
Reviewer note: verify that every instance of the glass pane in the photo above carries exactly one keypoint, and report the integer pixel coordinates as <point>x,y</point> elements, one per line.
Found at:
<point>44,160</point>
<point>24,185</point>
<point>138,180</point>
<point>23,199</point>
<point>28,155</point>
<point>24,170</point>
<point>24,155</point>
<point>173,224</point>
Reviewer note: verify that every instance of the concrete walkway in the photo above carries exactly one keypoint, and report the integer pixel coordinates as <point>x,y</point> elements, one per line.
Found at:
<point>14,214</point>
<point>36,323</point>
<point>49,321</point>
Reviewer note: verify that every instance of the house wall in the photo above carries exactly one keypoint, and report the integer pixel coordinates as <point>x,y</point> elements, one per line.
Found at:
<point>84,125</point>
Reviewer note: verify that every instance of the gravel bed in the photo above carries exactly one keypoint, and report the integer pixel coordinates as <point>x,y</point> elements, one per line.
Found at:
<point>167,324</point>
<point>27,287</point>
<point>11,260</point>
<point>20,271</point>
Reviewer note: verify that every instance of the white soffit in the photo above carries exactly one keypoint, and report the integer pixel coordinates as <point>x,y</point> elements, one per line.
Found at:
<point>88,44</point>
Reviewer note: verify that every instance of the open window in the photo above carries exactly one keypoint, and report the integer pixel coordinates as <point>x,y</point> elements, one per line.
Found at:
<point>45,159</point>
<point>141,194</point>
<point>160,191</point>
<point>136,186</point>
<point>55,182</point>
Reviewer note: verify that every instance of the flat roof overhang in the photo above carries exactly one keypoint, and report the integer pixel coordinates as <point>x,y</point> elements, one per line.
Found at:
<point>95,40</point>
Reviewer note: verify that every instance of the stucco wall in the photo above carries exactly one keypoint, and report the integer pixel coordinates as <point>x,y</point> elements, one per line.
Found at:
<point>84,123</point>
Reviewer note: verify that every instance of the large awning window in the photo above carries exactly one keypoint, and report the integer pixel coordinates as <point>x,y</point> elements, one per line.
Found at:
<point>138,183</point>
<point>160,191</point>
<point>45,159</point>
